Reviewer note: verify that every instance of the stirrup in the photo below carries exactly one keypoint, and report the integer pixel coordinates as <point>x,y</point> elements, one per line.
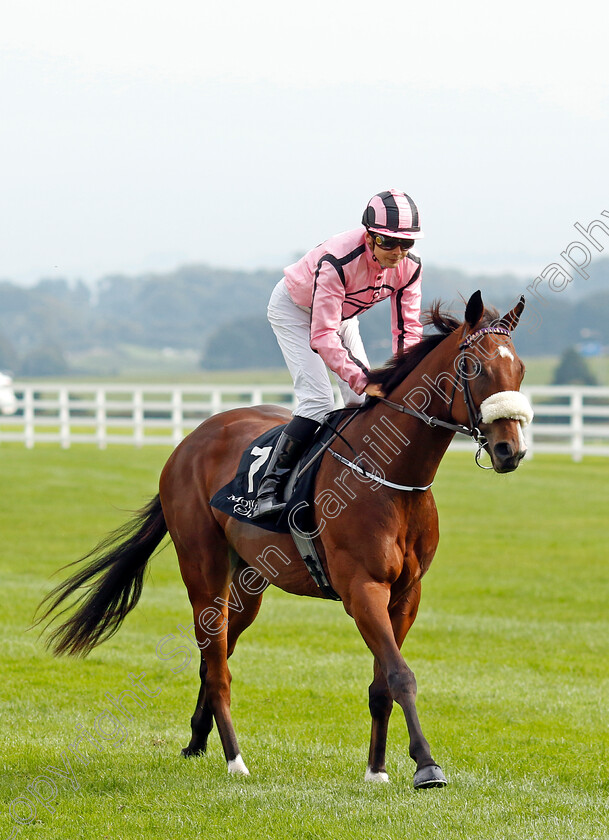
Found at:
<point>267,506</point>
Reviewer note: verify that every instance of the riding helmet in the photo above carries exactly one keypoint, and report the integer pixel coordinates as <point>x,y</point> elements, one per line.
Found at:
<point>393,213</point>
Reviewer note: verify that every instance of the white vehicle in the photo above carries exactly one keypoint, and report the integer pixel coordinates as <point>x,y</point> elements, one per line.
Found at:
<point>8,401</point>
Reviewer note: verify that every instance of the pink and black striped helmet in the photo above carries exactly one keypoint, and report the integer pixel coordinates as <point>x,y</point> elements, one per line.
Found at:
<point>393,213</point>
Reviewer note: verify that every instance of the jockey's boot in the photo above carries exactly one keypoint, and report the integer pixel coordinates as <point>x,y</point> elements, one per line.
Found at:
<point>291,444</point>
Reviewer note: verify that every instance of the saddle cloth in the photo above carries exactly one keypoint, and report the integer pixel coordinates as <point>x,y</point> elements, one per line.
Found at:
<point>237,498</point>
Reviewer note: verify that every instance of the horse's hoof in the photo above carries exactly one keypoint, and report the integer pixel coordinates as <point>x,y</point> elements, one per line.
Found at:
<point>429,777</point>
<point>236,767</point>
<point>372,776</point>
<point>189,752</point>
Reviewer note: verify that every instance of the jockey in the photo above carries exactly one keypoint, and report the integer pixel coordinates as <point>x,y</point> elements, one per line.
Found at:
<point>313,312</point>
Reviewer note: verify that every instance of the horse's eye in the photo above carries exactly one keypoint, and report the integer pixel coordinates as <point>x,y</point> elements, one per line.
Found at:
<point>472,369</point>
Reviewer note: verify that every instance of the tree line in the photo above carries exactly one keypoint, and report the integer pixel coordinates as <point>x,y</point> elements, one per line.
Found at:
<point>221,314</point>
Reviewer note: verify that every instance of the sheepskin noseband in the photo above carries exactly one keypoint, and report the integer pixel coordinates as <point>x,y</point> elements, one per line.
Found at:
<point>506,405</point>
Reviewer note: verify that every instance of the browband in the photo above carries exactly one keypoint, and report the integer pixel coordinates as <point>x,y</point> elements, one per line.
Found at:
<point>484,331</point>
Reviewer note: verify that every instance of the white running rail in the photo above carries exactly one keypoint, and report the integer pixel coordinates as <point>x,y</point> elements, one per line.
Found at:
<point>568,419</point>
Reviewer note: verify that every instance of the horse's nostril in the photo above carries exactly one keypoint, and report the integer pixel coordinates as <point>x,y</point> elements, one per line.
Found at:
<point>502,451</point>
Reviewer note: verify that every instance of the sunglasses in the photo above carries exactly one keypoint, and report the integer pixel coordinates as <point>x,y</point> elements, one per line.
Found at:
<point>388,243</point>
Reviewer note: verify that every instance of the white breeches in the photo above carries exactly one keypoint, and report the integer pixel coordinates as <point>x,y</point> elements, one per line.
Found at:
<point>312,384</point>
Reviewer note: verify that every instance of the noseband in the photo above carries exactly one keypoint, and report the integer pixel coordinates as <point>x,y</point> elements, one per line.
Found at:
<point>462,382</point>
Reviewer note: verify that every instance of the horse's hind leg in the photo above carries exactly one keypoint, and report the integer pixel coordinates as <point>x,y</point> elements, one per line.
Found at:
<point>243,606</point>
<point>202,721</point>
<point>380,703</point>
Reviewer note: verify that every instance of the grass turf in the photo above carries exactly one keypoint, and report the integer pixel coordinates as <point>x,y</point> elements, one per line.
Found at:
<point>510,650</point>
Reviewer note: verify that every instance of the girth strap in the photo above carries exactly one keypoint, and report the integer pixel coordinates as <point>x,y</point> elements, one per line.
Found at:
<point>306,548</point>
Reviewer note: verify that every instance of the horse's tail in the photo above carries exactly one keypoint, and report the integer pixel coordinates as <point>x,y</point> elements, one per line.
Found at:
<point>112,582</point>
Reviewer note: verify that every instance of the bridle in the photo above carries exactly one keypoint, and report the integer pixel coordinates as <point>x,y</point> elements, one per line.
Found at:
<point>461,381</point>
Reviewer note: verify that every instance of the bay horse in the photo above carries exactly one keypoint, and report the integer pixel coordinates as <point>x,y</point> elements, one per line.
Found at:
<point>376,533</point>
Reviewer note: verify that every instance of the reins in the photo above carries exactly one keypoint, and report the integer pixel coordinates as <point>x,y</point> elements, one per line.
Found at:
<point>358,467</point>
<point>431,421</point>
<point>337,434</point>
<point>461,381</point>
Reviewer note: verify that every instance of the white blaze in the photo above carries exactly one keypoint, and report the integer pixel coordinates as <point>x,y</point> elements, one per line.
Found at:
<point>505,353</point>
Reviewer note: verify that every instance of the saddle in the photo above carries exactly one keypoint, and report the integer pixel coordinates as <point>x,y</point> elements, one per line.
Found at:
<point>238,497</point>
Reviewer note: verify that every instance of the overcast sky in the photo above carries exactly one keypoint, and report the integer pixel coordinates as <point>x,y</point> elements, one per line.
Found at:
<point>140,135</point>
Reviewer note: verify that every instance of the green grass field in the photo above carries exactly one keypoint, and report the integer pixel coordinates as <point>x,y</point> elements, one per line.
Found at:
<point>510,649</point>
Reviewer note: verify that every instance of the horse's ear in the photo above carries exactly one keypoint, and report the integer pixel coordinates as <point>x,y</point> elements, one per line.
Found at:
<point>511,318</point>
<point>474,309</point>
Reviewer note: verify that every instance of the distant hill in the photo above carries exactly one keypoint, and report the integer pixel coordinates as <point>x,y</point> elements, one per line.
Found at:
<point>209,310</point>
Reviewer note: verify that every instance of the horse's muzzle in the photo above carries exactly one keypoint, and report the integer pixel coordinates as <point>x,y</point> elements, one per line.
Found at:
<point>505,457</point>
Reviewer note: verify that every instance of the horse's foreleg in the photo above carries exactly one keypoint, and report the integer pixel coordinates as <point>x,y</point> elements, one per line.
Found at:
<point>369,606</point>
<point>402,615</point>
